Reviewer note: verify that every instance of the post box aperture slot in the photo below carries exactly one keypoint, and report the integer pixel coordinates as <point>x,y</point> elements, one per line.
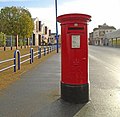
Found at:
<point>75,28</point>
<point>75,41</point>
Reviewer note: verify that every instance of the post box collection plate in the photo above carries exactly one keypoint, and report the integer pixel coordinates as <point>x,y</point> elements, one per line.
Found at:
<point>75,41</point>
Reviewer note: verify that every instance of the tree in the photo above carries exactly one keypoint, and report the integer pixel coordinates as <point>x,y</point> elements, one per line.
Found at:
<point>26,26</point>
<point>16,21</point>
<point>2,39</point>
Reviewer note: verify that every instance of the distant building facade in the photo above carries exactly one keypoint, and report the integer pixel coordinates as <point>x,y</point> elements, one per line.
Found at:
<point>41,33</point>
<point>97,36</point>
<point>91,42</point>
<point>112,39</point>
<point>52,39</point>
<point>36,37</point>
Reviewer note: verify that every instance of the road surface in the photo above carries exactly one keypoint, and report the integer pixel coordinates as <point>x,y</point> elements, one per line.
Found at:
<point>37,93</point>
<point>104,75</point>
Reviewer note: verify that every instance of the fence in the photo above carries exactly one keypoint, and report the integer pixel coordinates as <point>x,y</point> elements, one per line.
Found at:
<point>32,55</point>
<point>10,41</point>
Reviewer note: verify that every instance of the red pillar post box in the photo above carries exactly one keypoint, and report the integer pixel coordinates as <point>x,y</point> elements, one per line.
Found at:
<point>74,57</point>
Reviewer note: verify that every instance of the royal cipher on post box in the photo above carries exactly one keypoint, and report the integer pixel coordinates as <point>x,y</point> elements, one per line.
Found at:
<point>74,57</point>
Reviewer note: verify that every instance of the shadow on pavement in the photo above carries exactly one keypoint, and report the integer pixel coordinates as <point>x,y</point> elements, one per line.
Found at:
<point>59,108</point>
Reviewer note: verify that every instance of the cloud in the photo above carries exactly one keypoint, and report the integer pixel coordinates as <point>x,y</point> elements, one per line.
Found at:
<point>103,11</point>
<point>46,15</point>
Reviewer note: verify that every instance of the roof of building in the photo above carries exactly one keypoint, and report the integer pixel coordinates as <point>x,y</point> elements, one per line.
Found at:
<point>104,26</point>
<point>114,34</point>
<point>35,18</point>
<point>95,29</point>
<point>53,33</point>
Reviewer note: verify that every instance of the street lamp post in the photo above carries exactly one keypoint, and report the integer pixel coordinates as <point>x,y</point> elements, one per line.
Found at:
<point>56,26</point>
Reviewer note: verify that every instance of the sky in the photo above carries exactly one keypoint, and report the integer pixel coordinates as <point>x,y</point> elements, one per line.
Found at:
<point>101,11</point>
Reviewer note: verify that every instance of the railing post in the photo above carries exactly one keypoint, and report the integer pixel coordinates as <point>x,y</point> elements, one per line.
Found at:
<point>39,52</point>
<point>15,61</point>
<point>44,50</point>
<point>31,55</point>
<point>18,59</point>
<point>48,50</point>
<point>18,53</point>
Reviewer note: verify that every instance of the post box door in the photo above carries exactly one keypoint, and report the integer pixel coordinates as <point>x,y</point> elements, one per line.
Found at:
<point>74,59</point>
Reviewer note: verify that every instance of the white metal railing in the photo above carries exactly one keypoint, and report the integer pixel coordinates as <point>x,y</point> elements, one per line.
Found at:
<point>32,55</point>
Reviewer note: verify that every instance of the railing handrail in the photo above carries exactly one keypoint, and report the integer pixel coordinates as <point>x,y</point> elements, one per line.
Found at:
<point>25,60</point>
<point>6,68</point>
<point>36,52</point>
<point>25,55</point>
<point>7,60</point>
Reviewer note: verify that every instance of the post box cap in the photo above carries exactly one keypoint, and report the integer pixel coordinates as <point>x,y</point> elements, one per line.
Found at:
<point>74,17</point>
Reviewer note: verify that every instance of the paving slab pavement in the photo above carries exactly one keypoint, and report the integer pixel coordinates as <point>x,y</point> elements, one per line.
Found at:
<point>36,89</point>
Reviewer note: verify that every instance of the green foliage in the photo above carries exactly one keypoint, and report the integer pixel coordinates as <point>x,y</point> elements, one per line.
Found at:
<point>2,39</point>
<point>26,26</point>
<point>16,20</point>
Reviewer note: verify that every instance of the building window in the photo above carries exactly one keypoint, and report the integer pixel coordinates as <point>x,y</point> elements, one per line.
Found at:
<point>45,30</point>
<point>39,25</point>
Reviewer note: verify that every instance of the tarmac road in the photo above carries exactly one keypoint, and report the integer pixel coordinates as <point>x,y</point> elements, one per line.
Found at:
<point>104,75</point>
<point>37,93</point>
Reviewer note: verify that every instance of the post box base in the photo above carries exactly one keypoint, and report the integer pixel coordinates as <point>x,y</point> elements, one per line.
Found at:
<point>75,93</point>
